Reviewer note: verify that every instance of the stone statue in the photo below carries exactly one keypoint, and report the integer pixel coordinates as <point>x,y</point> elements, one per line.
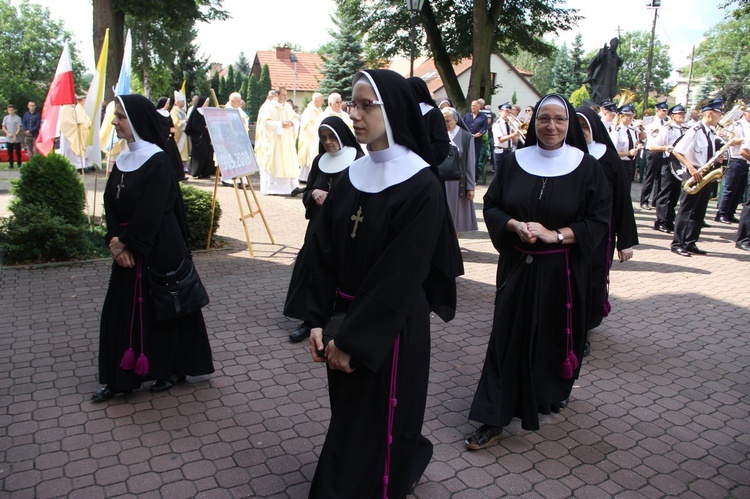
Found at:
<point>603,71</point>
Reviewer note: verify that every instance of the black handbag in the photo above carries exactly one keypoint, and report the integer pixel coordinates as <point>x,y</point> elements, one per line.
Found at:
<point>450,168</point>
<point>178,292</point>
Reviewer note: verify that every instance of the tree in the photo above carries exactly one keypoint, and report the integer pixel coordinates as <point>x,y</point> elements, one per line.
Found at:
<point>243,64</point>
<point>539,66</point>
<point>725,54</point>
<point>264,83</point>
<point>633,50</point>
<point>31,42</point>
<point>579,95</point>
<point>706,90</point>
<point>254,98</point>
<point>223,93</point>
<point>343,59</point>
<point>580,67</point>
<point>215,84</point>
<point>563,78</point>
<point>173,15</point>
<point>230,81</point>
<point>456,30</point>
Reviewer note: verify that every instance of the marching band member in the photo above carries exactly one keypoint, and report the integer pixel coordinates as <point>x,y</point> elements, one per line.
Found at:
<point>608,112</point>
<point>743,231</point>
<point>503,134</point>
<point>655,160</point>
<point>695,149</point>
<point>669,191</point>
<point>627,140</point>
<point>735,178</point>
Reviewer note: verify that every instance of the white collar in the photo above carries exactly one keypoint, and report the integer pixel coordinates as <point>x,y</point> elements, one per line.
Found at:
<point>135,155</point>
<point>335,162</point>
<point>597,149</point>
<point>425,108</point>
<point>544,163</point>
<point>163,112</point>
<point>383,169</point>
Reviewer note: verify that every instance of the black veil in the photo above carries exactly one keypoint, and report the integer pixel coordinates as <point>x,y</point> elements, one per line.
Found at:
<point>574,137</point>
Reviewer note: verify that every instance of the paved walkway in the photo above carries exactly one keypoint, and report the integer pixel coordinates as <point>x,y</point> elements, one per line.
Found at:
<point>661,407</point>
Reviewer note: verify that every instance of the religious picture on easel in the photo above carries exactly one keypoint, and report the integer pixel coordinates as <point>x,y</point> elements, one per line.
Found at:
<point>234,154</point>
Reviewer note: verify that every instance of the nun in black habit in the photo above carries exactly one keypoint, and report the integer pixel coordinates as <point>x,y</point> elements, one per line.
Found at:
<point>165,119</point>
<point>202,155</point>
<point>546,210</point>
<point>146,228</point>
<point>434,123</point>
<point>622,219</point>
<point>338,148</point>
<point>384,252</point>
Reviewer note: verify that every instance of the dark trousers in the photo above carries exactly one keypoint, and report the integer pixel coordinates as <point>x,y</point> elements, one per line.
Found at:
<point>666,198</point>
<point>652,178</point>
<point>689,221</point>
<point>629,166</point>
<point>735,181</point>
<point>743,231</point>
<point>498,157</point>
<point>14,146</point>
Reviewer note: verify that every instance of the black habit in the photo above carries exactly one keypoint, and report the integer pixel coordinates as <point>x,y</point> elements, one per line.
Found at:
<point>202,155</point>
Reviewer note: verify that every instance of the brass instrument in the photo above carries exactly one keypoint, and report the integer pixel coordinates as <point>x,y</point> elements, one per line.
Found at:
<point>517,126</point>
<point>714,169</point>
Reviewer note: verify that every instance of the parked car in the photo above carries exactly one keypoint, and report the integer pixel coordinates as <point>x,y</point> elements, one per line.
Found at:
<point>4,152</point>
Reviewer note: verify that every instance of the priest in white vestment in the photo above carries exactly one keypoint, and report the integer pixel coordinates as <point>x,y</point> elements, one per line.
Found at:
<point>279,165</point>
<point>179,119</point>
<point>74,130</point>
<point>261,144</point>
<point>309,142</point>
<point>334,109</point>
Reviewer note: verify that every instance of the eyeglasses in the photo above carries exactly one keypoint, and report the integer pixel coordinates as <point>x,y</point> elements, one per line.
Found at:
<point>363,105</point>
<point>545,120</point>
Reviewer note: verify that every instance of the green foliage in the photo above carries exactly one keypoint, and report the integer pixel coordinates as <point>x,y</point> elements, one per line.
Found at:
<point>198,206</point>
<point>539,66</point>
<point>563,78</point>
<point>223,94</point>
<point>514,98</point>
<point>215,83</point>
<point>264,83</point>
<point>31,42</point>
<point>707,89</point>
<point>633,50</point>
<point>344,58</point>
<point>243,64</point>
<point>33,234</point>
<point>580,66</point>
<point>51,182</point>
<point>230,82</point>
<point>254,99</point>
<point>725,54</point>
<point>579,95</point>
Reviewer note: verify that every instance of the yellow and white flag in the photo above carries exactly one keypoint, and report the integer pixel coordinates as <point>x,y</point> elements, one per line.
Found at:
<point>93,105</point>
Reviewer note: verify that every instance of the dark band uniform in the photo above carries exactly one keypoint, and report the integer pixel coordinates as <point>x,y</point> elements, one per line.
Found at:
<point>698,146</point>
<point>654,161</point>
<point>670,186</point>
<point>735,178</point>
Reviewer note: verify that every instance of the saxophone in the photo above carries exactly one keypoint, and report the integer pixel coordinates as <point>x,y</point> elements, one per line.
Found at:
<point>713,170</point>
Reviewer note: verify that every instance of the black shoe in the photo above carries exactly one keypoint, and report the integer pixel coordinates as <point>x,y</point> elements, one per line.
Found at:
<point>586,348</point>
<point>645,206</point>
<point>723,220</point>
<point>10,167</point>
<point>744,245</point>
<point>704,224</point>
<point>694,249</point>
<point>734,220</point>
<point>661,228</point>
<point>105,393</point>
<point>297,191</point>
<point>680,251</point>
<point>299,334</point>
<point>485,436</point>
<point>162,385</point>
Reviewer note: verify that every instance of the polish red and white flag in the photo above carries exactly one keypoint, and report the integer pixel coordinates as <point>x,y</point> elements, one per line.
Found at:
<point>61,92</point>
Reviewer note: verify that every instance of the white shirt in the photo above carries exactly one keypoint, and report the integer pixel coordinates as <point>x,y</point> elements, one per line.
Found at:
<point>741,129</point>
<point>619,136</point>
<point>501,128</point>
<point>694,146</point>
<point>668,136</point>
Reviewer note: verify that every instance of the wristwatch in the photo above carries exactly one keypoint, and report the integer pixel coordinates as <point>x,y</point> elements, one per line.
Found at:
<point>560,237</point>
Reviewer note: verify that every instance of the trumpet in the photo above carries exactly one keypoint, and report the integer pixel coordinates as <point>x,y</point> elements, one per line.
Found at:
<point>517,126</point>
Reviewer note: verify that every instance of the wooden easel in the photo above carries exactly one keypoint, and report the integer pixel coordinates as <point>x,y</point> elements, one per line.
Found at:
<point>240,184</point>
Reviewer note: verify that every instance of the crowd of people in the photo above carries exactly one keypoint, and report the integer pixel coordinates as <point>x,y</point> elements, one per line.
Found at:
<point>381,252</point>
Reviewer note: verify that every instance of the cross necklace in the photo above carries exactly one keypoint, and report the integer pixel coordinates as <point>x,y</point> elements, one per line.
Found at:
<point>544,184</point>
<point>120,186</point>
<point>357,219</point>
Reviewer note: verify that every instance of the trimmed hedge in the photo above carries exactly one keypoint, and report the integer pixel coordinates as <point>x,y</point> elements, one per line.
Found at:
<point>198,207</point>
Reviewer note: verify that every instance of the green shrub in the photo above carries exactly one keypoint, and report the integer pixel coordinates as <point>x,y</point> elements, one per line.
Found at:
<point>198,206</point>
<point>579,95</point>
<point>33,234</point>
<point>51,182</point>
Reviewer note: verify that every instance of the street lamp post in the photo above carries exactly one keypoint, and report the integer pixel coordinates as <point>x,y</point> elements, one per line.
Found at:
<point>414,6</point>
<point>652,4</point>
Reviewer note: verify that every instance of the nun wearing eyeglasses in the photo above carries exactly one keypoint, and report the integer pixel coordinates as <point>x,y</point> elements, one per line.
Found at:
<point>546,210</point>
<point>386,254</point>
<point>622,233</point>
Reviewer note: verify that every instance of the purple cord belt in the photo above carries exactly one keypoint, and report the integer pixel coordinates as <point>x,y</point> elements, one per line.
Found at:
<point>570,364</point>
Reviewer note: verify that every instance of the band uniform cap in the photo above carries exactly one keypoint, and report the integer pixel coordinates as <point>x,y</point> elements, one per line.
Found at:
<point>677,108</point>
<point>715,105</point>
<point>627,109</point>
<point>505,107</point>
<point>609,106</point>
<point>662,105</point>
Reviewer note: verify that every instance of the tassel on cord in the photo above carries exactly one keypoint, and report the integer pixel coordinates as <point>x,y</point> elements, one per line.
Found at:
<point>141,367</point>
<point>128,359</point>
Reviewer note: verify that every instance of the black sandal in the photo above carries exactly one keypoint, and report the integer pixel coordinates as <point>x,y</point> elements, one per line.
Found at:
<point>485,436</point>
